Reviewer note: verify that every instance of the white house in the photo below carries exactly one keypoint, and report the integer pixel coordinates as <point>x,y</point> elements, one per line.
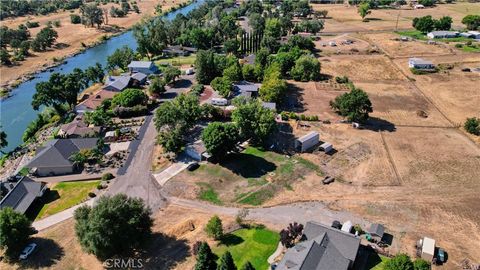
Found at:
<point>474,34</point>
<point>145,67</point>
<point>419,63</point>
<point>443,34</point>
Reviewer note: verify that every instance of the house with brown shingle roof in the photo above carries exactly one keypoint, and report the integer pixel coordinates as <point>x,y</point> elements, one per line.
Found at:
<point>94,100</point>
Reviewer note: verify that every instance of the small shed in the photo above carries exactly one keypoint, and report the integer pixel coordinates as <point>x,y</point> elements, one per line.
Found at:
<point>347,226</point>
<point>306,142</point>
<point>428,249</point>
<point>326,147</point>
<point>376,231</point>
<point>197,150</point>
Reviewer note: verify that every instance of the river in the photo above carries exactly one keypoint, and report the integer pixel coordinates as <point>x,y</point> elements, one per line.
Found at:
<point>16,111</point>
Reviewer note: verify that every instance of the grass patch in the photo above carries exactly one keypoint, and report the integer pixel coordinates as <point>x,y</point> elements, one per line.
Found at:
<point>257,197</point>
<point>467,48</point>
<point>253,245</point>
<point>65,195</point>
<point>178,61</point>
<point>208,194</point>
<point>413,34</point>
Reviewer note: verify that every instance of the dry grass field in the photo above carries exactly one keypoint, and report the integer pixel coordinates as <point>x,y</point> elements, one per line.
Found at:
<point>71,36</point>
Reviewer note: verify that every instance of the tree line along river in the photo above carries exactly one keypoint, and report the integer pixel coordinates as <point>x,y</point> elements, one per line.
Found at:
<point>16,111</point>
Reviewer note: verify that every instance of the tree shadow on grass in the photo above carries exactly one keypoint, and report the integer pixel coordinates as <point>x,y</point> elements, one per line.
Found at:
<point>37,205</point>
<point>248,166</point>
<point>377,124</point>
<point>164,252</point>
<point>231,240</point>
<point>294,99</point>
<point>182,83</point>
<point>47,254</point>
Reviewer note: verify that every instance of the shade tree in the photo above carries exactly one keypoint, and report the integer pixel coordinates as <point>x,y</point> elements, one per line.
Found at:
<point>15,231</point>
<point>355,105</point>
<point>220,138</point>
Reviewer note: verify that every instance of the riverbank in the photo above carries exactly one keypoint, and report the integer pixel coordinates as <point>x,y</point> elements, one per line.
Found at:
<point>72,39</point>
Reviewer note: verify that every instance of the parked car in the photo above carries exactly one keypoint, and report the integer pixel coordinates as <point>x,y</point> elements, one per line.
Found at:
<point>336,224</point>
<point>327,180</point>
<point>440,256</point>
<point>193,166</point>
<point>27,251</point>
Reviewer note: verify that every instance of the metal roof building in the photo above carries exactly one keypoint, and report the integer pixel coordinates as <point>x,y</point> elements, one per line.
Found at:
<point>22,194</point>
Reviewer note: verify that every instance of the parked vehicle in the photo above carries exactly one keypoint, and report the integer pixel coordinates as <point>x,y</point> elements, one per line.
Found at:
<point>192,167</point>
<point>327,180</point>
<point>440,256</point>
<point>336,224</point>
<point>219,101</point>
<point>27,251</point>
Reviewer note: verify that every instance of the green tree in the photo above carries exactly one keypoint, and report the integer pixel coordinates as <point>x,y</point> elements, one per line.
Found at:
<point>184,110</point>
<point>444,23</point>
<point>421,264</point>
<point>254,122</point>
<point>273,28</point>
<point>75,19</point>
<point>46,37</point>
<point>58,90</point>
<point>95,73</point>
<point>226,262</point>
<point>257,22</point>
<point>205,67</point>
<point>120,58</point>
<point>364,10</point>
<point>129,98</point>
<point>472,125</point>
<point>151,36</point>
<point>171,73</point>
<point>91,15</point>
<point>248,266</point>
<point>220,138</point>
<point>231,46</point>
<point>427,3</point>
<point>222,85</point>
<point>307,68</point>
<point>15,230</point>
<point>273,87</point>
<point>399,262</point>
<point>171,139</point>
<point>97,117</point>
<point>3,139</point>
<point>157,86</point>
<point>248,73</point>
<point>234,72</point>
<point>424,24</point>
<point>114,226</point>
<point>205,258</point>
<point>355,105</point>
<point>471,21</point>
<point>214,228</point>
<point>5,57</point>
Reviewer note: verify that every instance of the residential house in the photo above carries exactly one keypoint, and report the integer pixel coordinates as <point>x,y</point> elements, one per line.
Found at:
<point>247,89</point>
<point>93,101</point>
<point>197,150</point>
<point>443,34</point>
<point>178,50</point>
<point>323,248</point>
<point>21,194</point>
<point>471,34</point>
<point>77,129</point>
<point>307,141</point>
<point>117,83</point>
<point>54,157</point>
<point>145,67</point>
<point>419,63</point>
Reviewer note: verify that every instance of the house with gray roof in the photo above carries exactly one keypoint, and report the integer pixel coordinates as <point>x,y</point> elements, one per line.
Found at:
<point>117,83</point>
<point>323,248</point>
<point>21,194</point>
<point>420,63</point>
<point>443,34</point>
<point>54,157</point>
<point>145,67</point>
<point>247,89</point>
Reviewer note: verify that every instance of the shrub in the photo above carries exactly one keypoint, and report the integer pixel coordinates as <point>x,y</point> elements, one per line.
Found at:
<point>75,19</point>
<point>107,176</point>
<point>214,228</point>
<point>30,24</point>
<point>100,186</point>
<point>343,79</point>
<point>472,126</point>
<point>198,89</point>
<point>92,195</point>
<point>57,23</point>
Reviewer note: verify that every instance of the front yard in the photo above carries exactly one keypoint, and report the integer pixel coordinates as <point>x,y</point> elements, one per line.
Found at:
<point>65,195</point>
<point>249,245</point>
<point>250,177</point>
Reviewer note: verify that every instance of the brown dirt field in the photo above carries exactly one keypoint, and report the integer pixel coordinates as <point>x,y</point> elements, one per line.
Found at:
<point>346,19</point>
<point>72,35</point>
<point>406,49</point>
<point>174,234</point>
<point>399,104</point>
<point>457,100</point>
<point>365,68</point>
<point>359,46</point>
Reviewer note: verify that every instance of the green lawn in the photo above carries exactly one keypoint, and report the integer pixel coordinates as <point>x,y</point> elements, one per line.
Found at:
<point>179,60</point>
<point>253,245</point>
<point>466,48</point>
<point>208,194</point>
<point>65,195</point>
<point>420,36</point>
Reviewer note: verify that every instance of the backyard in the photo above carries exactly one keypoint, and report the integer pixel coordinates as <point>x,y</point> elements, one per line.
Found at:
<point>63,196</point>
<point>249,245</point>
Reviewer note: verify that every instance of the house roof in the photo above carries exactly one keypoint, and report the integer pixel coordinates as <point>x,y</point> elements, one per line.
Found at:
<point>22,194</point>
<point>376,229</point>
<point>443,33</point>
<point>117,82</point>
<point>57,152</point>
<point>308,136</point>
<point>244,86</point>
<point>322,250</point>
<point>93,101</point>
<point>420,61</point>
<point>346,243</point>
<point>138,76</point>
<point>140,64</point>
<point>78,127</point>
